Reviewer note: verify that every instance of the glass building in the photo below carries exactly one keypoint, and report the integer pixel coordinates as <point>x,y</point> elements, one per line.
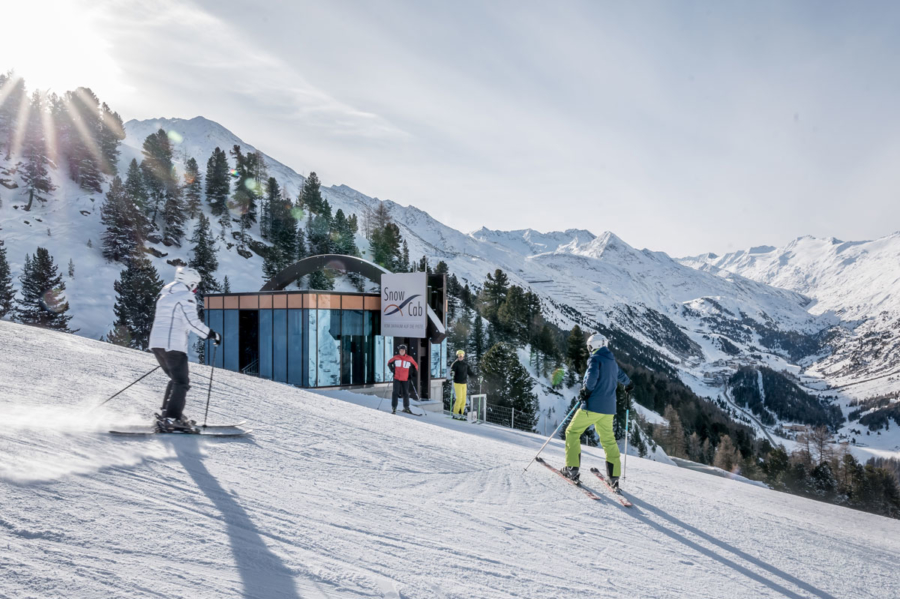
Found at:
<point>314,339</point>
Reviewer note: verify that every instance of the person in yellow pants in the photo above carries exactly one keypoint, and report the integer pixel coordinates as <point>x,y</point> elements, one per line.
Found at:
<point>599,409</point>
<point>461,371</point>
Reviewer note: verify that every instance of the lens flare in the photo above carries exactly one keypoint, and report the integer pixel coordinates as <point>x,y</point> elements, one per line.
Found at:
<point>234,173</point>
<point>175,137</point>
<point>297,213</point>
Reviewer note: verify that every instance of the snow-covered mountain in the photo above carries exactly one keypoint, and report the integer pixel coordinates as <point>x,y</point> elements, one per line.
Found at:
<point>335,499</point>
<point>857,281</point>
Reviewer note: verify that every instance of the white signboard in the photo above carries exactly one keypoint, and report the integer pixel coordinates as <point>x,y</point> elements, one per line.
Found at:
<point>403,304</point>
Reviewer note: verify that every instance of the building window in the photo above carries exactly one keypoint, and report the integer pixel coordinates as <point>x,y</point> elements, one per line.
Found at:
<point>265,344</point>
<point>279,338</point>
<point>295,347</point>
<point>435,360</point>
<point>233,344</point>
<point>329,346</point>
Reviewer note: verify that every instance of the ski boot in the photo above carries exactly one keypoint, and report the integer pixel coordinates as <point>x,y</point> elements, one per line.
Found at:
<point>407,411</point>
<point>571,472</point>
<point>612,480</point>
<point>393,410</point>
<point>175,425</point>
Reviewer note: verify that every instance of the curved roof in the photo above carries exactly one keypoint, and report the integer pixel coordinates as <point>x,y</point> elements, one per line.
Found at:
<point>338,262</point>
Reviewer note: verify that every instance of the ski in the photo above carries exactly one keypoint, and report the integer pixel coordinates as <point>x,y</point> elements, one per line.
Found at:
<point>235,425</point>
<point>586,491</point>
<point>618,494</point>
<point>148,433</point>
<point>409,413</point>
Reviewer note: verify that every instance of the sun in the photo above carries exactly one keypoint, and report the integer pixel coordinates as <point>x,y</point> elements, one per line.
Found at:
<point>57,45</point>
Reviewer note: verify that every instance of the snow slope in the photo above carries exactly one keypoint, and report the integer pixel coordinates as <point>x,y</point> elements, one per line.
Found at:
<point>332,499</point>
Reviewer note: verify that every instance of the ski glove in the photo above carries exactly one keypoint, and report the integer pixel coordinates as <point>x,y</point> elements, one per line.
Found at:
<point>629,387</point>
<point>216,338</point>
<point>583,395</point>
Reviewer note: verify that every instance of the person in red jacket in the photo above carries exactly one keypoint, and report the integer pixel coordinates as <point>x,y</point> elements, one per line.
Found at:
<point>400,365</point>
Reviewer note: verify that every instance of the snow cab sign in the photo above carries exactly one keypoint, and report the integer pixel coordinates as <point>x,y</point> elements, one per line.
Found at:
<point>403,305</point>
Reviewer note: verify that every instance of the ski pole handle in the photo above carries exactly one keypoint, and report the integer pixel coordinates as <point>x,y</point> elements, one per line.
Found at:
<point>577,406</point>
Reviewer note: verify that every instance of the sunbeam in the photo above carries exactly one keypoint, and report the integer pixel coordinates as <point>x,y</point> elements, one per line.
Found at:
<point>22,127</point>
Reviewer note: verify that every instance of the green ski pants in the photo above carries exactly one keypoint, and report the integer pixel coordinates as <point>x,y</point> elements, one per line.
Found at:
<point>603,423</point>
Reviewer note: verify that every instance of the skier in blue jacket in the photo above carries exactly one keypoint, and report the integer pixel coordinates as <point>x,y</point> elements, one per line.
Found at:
<point>599,409</point>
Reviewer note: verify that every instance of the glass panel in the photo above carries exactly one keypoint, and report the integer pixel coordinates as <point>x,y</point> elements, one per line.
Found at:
<point>206,344</point>
<point>232,340</point>
<point>216,323</point>
<point>379,358</point>
<point>388,354</point>
<point>265,344</point>
<point>295,347</point>
<point>435,360</point>
<point>279,338</point>
<point>353,365</point>
<point>329,358</point>
<point>310,334</point>
<point>249,346</point>
<point>444,359</point>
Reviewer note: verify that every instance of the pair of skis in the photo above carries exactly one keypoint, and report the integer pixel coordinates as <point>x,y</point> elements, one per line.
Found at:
<point>616,493</point>
<point>147,431</point>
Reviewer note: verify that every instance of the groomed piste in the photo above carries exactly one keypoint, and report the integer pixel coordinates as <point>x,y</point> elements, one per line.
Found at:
<point>332,498</point>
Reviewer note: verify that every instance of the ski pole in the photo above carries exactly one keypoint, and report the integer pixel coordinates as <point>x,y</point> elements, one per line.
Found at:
<point>625,466</point>
<point>416,393</point>
<point>212,366</point>
<point>126,388</point>
<point>577,406</point>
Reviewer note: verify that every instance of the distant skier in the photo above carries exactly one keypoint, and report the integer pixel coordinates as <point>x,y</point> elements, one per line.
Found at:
<point>461,371</point>
<point>400,365</point>
<point>599,393</point>
<point>175,319</point>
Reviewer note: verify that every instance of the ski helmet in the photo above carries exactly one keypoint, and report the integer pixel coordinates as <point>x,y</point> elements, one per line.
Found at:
<point>401,346</point>
<point>596,341</point>
<point>188,276</point>
<point>460,353</point>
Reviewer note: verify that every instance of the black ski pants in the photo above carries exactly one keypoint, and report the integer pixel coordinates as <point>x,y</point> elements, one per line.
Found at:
<point>401,389</point>
<point>175,365</point>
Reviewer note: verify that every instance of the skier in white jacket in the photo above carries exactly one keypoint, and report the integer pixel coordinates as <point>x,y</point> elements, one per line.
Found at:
<point>175,319</point>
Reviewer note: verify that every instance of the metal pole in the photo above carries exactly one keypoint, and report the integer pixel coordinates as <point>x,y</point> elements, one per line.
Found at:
<point>212,371</point>
<point>625,466</point>
<point>577,405</point>
<point>513,418</point>
<point>123,390</point>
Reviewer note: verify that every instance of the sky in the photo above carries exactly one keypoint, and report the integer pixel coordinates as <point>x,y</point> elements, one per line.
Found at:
<point>681,126</point>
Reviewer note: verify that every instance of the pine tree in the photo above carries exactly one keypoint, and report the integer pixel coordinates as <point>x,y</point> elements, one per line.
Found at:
<point>311,195</point>
<point>243,200</point>
<point>7,293</point>
<point>12,89</point>
<point>110,135</point>
<point>727,457</point>
<point>174,216</point>
<point>495,290</point>
<point>136,292</point>
<point>405,265</point>
<point>576,355</point>
<point>79,125</point>
<point>386,246</point>
<point>33,167</point>
<point>674,435</point>
<point>508,384</point>
<point>226,285</point>
<point>157,170</point>
<point>193,188</point>
<point>71,268</point>
<point>218,182</point>
<point>124,222</point>
<point>135,188</point>
<point>203,258</point>
<point>478,340</point>
<point>43,300</point>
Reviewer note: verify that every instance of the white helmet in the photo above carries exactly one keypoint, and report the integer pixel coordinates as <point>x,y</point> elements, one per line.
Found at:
<point>596,341</point>
<point>188,276</point>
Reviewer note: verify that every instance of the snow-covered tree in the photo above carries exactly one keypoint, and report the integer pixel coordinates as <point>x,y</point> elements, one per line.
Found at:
<point>43,300</point>
<point>218,182</point>
<point>35,160</point>
<point>123,237</point>
<point>7,293</point>
<point>12,90</point>
<point>158,170</point>
<point>508,384</point>
<point>136,292</point>
<point>193,188</point>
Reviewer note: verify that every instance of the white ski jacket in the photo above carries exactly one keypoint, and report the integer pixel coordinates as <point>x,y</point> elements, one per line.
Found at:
<point>176,317</point>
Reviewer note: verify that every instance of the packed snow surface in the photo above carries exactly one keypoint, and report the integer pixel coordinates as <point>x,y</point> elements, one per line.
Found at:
<point>335,499</point>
